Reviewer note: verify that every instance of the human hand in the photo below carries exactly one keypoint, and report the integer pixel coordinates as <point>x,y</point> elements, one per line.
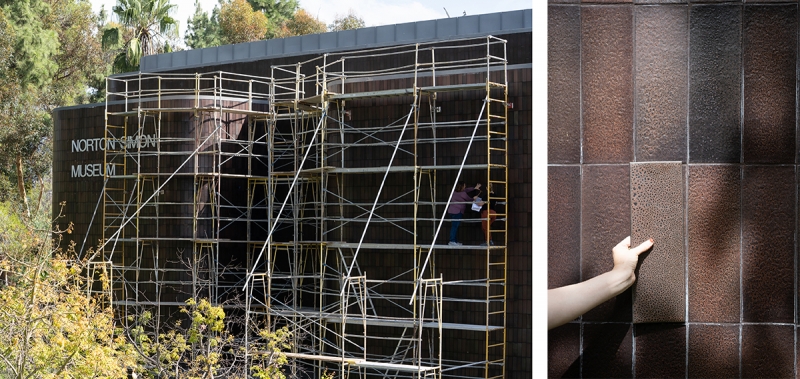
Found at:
<point>626,258</point>
<point>478,186</point>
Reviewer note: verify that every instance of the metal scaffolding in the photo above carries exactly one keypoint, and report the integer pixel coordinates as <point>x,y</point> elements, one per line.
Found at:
<point>283,191</point>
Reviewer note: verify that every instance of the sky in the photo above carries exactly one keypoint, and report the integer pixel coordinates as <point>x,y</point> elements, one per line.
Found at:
<point>373,12</point>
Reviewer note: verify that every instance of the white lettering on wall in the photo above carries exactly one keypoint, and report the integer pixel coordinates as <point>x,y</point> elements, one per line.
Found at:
<point>92,169</point>
<point>124,143</point>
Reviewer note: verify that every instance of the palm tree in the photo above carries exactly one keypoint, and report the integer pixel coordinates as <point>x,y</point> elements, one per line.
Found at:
<point>145,26</point>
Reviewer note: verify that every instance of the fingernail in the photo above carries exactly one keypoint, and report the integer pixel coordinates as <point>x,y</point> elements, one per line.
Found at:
<point>651,240</point>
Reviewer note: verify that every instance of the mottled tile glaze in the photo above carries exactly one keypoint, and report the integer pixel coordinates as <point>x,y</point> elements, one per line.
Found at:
<point>563,225</point>
<point>713,351</point>
<point>770,71</point>
<point>715,83</point>
<point>605,220</point>
<point>661,95</point>
<point>607,82</point>
<point>768,225</point>
<point>767,351</point>
<point>657,212</point>
<point>563,351</point>
<point>563,84</point>
<point>714,225</point>
<point>660,350</point>
<point>607,351</point>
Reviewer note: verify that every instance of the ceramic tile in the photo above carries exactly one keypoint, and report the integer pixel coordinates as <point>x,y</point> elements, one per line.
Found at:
<point>715,83</point>
<point>768,226</point>
<point>563,84</point>
<point>661,55</point>
<point>607,351</point>
<point>563,225</point>
<point>605,220</point>
<point>770,71</point>
<point>657,212</point>
<point>714,240</point>
<point>713,351</point>
<point>607,83</point>
<point>563,351</point>
<point>660,350</point>
<point>767,351</point>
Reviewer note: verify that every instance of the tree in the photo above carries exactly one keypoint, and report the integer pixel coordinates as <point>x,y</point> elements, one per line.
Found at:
<point>145,28</point>
<point>347,22</point>
<point>239,23</point>
<point>301,23</point>
<point>275,10</point>
<point>51,326</point>
<point>202,30</point>
<point>49,49</point>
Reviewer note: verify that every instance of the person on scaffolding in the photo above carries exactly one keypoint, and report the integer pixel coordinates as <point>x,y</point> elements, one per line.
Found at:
<point>461,197</point>
<point>488,212</point>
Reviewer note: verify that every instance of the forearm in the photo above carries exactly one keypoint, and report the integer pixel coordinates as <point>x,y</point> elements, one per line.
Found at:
<point>566,303</point>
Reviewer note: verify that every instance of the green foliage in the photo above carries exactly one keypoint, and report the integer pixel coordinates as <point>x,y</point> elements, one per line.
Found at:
<point>347,22</point>
<point>239,23</point>
<point>300,24</point>
<point>203,349</point>
<point>51,326</point>
<point>144,28</point>
<point>276,10</point>
<point>35,43</point>
<point>202,30</point>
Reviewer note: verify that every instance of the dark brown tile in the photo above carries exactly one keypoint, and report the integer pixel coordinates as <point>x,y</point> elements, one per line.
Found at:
<point>770,70</point>
<point>563,225</point>
<point>563,351</point>
<point>714,227</point>
<point>768,223</point>
<point>607,350</point>
<point>605,220</point>
<point>660,350</point>
<point>661,94</point>
<point>607,58</point>
<point>713,351</point>
<point>657,212</point>
<point>715,83</point>
<point>767,351</point>
<point>563,84</point>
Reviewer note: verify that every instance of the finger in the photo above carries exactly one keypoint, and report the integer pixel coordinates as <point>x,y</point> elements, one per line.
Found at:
<point>626,243</point>
<point>646,245</point>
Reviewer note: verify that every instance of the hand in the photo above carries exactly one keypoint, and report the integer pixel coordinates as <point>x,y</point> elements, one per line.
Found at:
<point>626,258</point>
<point>478,186</point>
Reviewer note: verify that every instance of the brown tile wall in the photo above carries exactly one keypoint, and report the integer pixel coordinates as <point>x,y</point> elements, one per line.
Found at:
<point>461,345</point>
<point>710,84</point>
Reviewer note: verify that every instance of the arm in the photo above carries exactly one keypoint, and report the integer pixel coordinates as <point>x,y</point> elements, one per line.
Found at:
<point>566,303</point>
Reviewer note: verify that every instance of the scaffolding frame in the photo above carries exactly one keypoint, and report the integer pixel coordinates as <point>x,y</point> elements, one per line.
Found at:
<point>302,232</point>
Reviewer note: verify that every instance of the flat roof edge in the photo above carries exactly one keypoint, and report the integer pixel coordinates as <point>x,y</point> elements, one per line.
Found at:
<point>376,36</point>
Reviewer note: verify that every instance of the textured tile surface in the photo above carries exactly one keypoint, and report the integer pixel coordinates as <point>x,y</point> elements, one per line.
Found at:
<point>661,95</point>
<point>770,69</point>
<point>660,350</point>
<point>768,224</point>
<point>563,351</point>
<point>715,83</point>
<point>607,82</point>
<point>607,351</point>
<point>563,225</point>
<point>605,220</point>
<point>657,212</point>
<point>714,240</point>
<point>713,351</point>
<point>767,351</point>
<point>563,84</point>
